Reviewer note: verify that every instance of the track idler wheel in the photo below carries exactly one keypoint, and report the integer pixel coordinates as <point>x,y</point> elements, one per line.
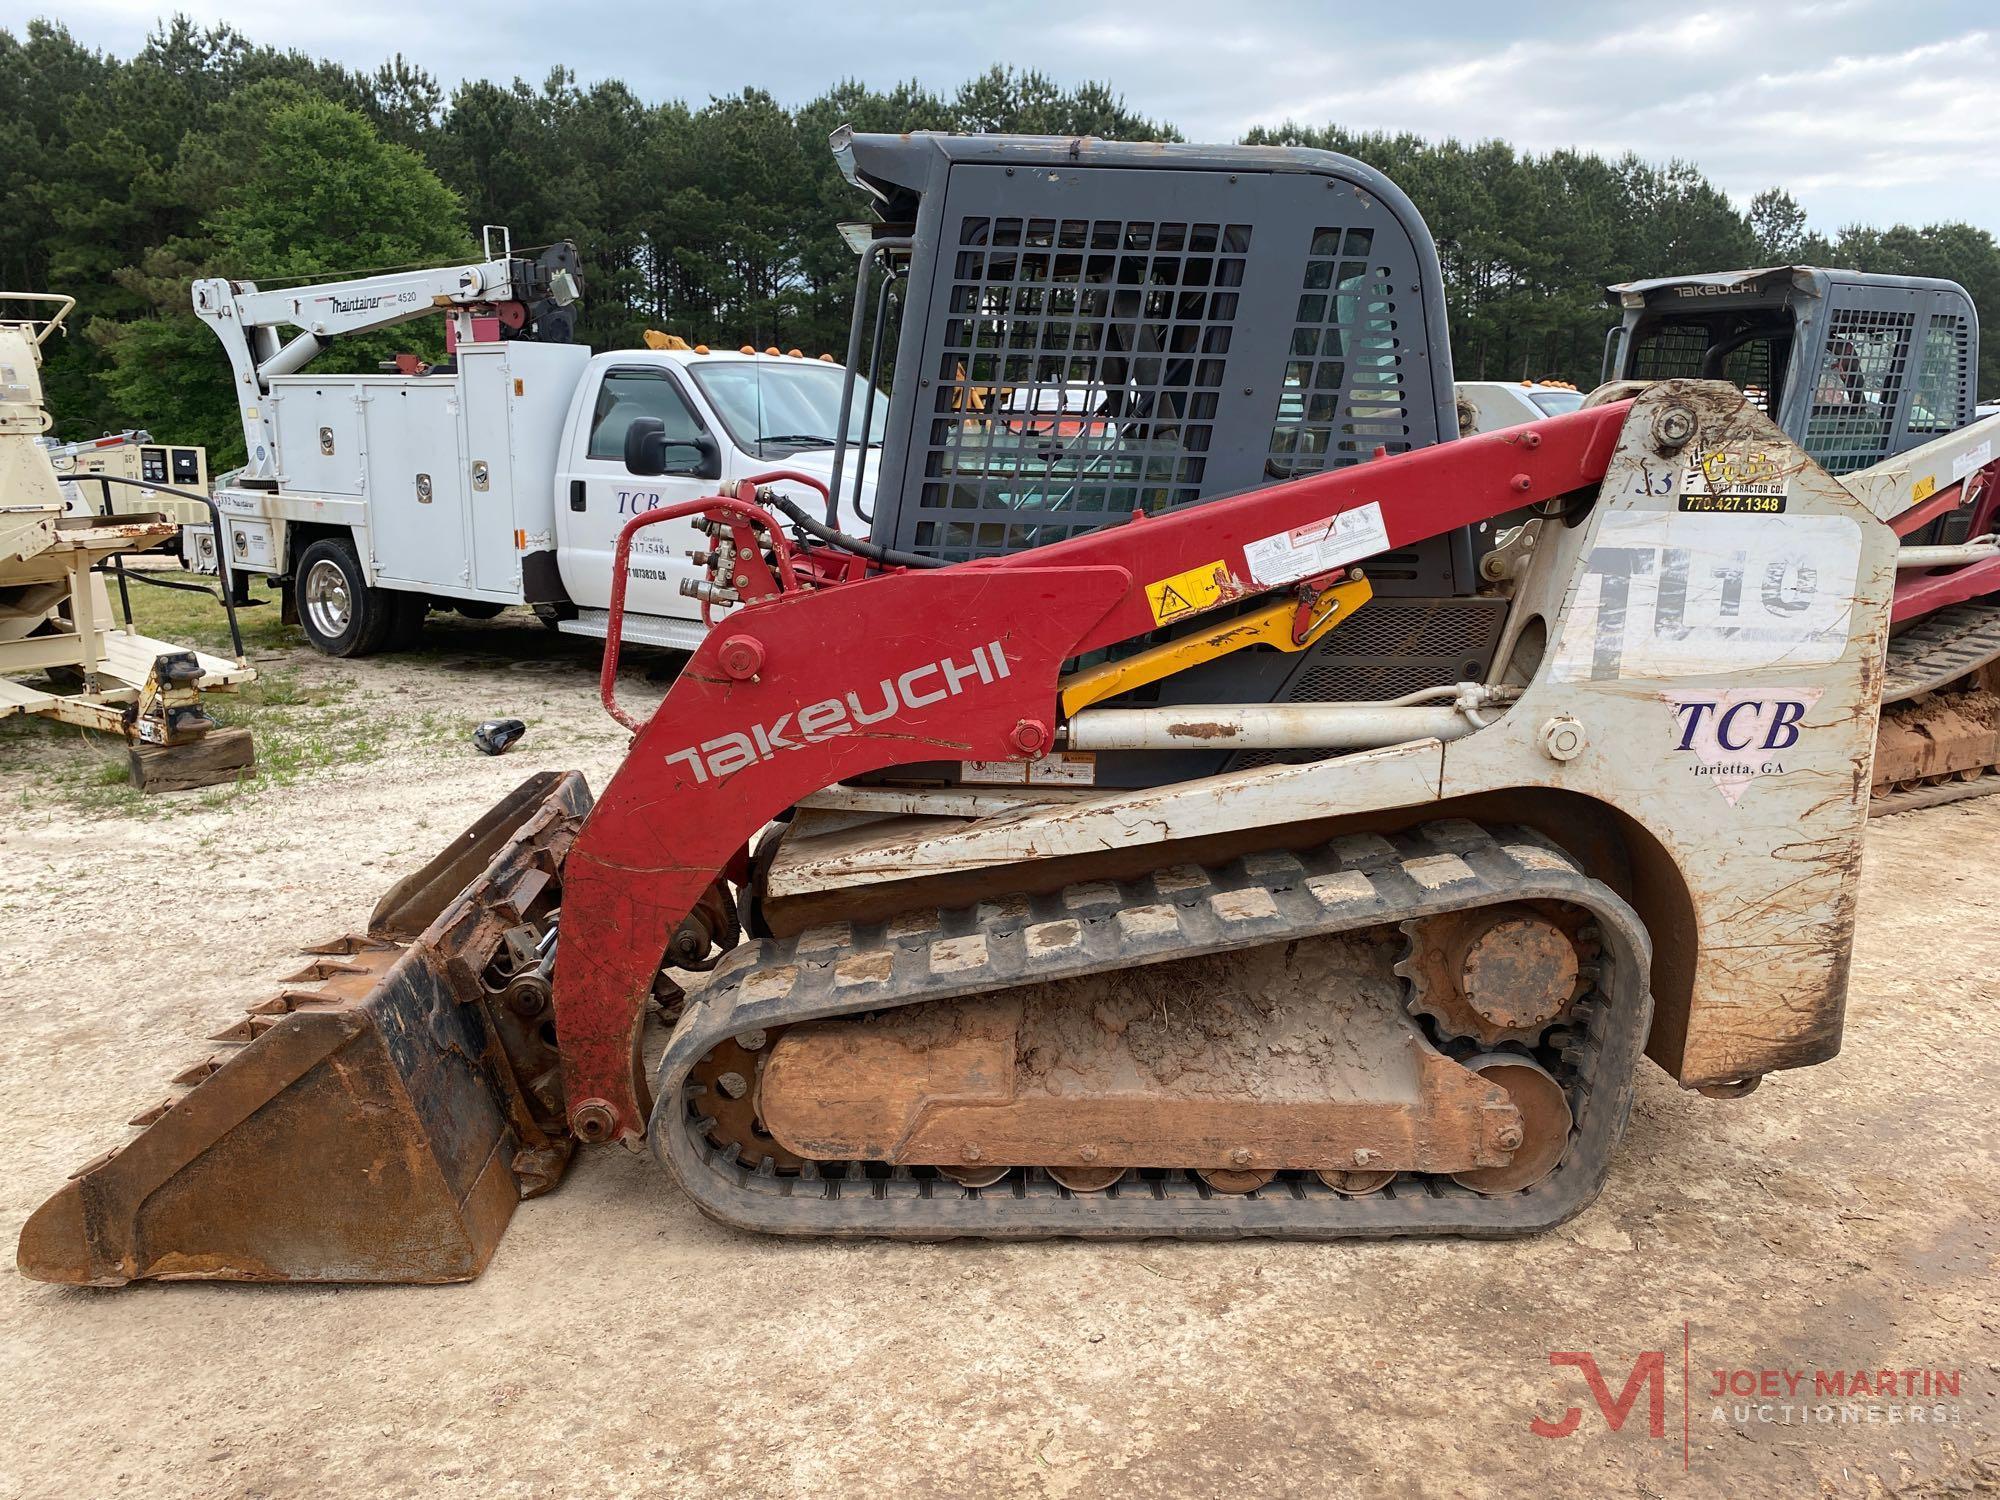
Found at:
<point>1232,1180</point>
<point>730,1078</point>
<point>975,1177</point>
<point>1355,1184</point>
<point>1087,1179</point>
<point>1545,1123</point>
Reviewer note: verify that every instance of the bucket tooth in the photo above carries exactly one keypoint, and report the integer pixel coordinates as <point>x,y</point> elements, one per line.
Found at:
<point>93,1164</point>
<point>347,943</point>
<point>373,1130</point>
<point>286,1001</point>
<point>319,969</point>
<point>246,1030</point>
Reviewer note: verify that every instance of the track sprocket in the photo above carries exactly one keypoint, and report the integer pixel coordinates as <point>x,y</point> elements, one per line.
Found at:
<point>1499,974</point>
<point>727,1078</point>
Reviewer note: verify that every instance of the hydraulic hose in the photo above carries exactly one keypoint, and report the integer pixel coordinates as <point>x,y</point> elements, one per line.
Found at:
<point>820,531</point>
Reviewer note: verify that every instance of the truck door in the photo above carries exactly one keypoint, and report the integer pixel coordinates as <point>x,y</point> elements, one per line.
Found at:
<point>598,495</point>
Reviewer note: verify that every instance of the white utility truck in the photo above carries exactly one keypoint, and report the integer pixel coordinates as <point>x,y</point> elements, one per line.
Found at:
<point>498,477</point>
<point>1508,403</point>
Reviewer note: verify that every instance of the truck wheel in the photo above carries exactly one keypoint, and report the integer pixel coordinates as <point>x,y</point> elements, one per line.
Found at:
<point>341,614</point>
<point>478,609</point>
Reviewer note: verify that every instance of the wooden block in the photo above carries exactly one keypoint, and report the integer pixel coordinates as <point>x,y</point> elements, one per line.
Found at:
<point>218,756</point>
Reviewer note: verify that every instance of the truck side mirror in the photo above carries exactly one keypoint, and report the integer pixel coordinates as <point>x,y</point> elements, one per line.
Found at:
<point>646,447</point>
<point>708,456</point>
<point>649,453</point>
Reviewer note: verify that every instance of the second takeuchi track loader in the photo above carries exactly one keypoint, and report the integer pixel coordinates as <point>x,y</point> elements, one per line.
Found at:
<point>1210,803</point>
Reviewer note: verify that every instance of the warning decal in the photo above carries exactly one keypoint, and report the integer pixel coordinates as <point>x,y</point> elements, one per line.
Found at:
<point>1318,547</point>
<point>1067,768</point>
<point>1184,593</point>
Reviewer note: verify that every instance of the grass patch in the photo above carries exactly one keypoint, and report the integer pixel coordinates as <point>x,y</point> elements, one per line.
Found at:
<point>301,725</point>
<point>307,715</point>
<point>193,619</point>
<point>300,730</point>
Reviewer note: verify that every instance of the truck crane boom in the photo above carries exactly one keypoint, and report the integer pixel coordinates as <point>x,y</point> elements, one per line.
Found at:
<point>248,319</point>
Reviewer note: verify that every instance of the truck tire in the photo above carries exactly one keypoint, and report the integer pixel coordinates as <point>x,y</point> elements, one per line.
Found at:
<point>478,609</point>
<point>339,611</point>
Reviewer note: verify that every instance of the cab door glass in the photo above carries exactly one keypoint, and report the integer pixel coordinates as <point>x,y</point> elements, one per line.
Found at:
<point>601,496</point>
<point>627,395</point>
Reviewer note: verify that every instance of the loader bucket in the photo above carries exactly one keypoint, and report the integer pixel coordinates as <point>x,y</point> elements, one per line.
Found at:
<point>376,1120</point>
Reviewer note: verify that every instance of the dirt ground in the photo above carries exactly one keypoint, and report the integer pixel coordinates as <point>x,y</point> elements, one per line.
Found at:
<point>1842,1218</point>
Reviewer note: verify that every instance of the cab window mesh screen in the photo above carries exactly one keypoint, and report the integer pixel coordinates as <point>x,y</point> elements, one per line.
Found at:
<point>1672,352</point>
<point>1748,368</point>
<point>1861,374</point>
<point>1679,351</point>
<point>1077,377</point>
<point>1086,341</point>
<point>1941,377</point>
<point>1343,394</point>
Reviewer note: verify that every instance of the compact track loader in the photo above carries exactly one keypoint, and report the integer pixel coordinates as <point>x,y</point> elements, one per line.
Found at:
<point>1875,377</point>
<point>1208,803</point>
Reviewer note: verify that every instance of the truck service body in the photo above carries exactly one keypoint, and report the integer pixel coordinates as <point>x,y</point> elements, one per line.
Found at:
<point>500,479</point>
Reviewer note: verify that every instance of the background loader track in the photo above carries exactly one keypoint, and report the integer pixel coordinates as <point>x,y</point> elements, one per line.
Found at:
<point>1352,883</point>
<point>1941,649</point>
<point>1948,647</point>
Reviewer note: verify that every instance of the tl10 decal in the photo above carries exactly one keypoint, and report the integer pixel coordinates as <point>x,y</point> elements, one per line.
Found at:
<point>1735,735</point>
<point>1666,594</point>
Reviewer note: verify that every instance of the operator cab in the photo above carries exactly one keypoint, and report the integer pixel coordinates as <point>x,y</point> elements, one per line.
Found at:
<point>1855,366</point>
<point>1081,331</point>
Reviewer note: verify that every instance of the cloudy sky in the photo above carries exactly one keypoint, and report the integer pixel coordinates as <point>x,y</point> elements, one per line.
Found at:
<point>1870,111</point>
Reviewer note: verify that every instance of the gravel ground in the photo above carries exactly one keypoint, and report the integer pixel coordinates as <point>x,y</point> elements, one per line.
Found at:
<point>1840,1218</point>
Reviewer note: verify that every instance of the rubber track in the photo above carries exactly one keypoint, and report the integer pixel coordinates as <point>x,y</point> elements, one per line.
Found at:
<point>1945,646</point>
<point>1355,882</point>
<point>1934,794</point>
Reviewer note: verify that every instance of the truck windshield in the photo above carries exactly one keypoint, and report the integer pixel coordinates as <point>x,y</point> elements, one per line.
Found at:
<point>772,407</point>
<point>1555,403</point>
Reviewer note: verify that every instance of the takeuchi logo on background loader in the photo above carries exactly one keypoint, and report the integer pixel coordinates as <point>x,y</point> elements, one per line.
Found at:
<point>920,687</point>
